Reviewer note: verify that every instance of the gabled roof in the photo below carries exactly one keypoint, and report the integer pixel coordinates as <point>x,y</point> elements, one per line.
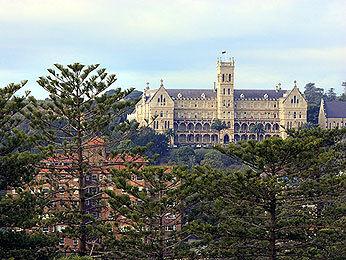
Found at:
<point>335,109</point>
<point>191,93</point>
<point>258,94</point>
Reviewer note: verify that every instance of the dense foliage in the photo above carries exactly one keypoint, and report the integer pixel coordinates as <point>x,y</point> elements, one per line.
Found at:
<point>288,200</point>
<point>77,112</point>
<point>20,209</point>
<point>274,199</point>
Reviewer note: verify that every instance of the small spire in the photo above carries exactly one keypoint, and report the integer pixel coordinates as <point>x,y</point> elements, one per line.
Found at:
<point>161,84</point>
<point>295,83</point>
<point>147,85</point>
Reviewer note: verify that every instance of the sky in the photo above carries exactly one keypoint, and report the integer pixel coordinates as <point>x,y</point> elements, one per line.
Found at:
<point>178,41</point>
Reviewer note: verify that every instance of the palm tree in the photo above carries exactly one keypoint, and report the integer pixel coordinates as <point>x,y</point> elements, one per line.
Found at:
<point>218,125</point>
<point>258,129</point>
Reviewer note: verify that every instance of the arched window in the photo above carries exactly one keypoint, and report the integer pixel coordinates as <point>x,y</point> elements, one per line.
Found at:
<point>229,91</point>
<point>223,77</point>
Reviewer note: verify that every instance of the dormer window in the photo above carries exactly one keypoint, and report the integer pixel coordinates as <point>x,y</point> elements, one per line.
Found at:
<point>242,96</point>
<point>265,96</point>
<point>179,95</point>
<point>203,95</point>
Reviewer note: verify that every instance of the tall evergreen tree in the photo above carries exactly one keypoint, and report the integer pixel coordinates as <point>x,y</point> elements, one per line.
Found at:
<point>20,209</point>
<point>286,202</point>
<point>77,111</point>
<point>147,210</point>
<point>313,96</point>
<point>330,95</point>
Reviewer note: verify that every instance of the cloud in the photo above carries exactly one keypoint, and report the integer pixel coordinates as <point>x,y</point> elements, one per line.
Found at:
<point>145,40</point>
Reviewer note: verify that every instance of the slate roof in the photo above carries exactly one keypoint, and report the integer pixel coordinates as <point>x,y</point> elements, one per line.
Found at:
<point>248,93</point>
<point>191,93</point>
<point>258,93</point>
<point>335,109</point>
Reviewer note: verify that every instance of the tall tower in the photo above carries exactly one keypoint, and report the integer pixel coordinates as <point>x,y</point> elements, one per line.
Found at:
<point>225,97</point>
<point>225,90</point>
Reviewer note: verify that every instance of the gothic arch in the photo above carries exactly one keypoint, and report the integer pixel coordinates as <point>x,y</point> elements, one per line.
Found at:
<point>243,137</point>
<point>206,127</point>
<point>214,138</point>
<point>236,137</point>
<point>252,137</point>
<point>206,138</point>
<point>266,136</point>
<point>276,127</point>
<point>190,127</point>
<point>252,127</point>
<point>175,126</point>
<point>182,127</point>
<point>226,139</point>
<point>268,127</point>
<point>190,138</point>
<point>182,138</point>
<point>198,138</point>
<point>236,127</point>
<point>198,127</point>
<point>244,127</point>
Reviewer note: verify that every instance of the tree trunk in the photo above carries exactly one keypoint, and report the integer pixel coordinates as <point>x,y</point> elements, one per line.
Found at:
<point>272,238</point>
<point>83,236</point>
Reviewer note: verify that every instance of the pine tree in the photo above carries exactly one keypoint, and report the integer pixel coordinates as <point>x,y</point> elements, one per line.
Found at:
<point>76,113</point>
<point>19,210</point>
<point>147,210</point>
<point>286,202</point>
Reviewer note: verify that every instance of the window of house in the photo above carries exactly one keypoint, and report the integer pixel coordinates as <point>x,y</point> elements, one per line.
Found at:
<point>75,242</point>
<point>294,114</point>
<point>170,228</point>
<point>223,78</point>
<point>61,241</point>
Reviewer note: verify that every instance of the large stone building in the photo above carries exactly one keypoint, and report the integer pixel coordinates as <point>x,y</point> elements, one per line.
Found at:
<point>247,113</point>
<point>332,114</point>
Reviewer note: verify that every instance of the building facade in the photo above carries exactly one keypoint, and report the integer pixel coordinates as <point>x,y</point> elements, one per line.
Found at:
<point>332,114</point>
<point>58,180</point>
<point>245,113</point>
